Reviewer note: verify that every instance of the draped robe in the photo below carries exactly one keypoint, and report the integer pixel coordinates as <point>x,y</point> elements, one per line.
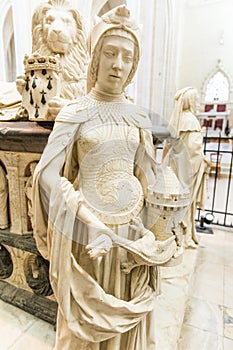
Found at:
<point>103,159</point>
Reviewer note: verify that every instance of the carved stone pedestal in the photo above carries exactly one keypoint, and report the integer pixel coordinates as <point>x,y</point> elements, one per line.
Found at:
<point>24,277</point>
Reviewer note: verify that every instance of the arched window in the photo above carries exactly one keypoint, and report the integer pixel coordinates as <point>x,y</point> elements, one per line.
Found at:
<point>217,88</point>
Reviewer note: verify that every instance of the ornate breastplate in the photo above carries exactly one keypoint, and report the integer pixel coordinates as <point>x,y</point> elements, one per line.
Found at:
<point>106,177</point>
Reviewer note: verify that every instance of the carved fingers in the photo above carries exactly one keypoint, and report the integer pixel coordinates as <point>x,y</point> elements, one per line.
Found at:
<point>136,224</point>
<point>99,247</point>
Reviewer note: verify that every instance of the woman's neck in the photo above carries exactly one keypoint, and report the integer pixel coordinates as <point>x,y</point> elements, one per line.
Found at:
<point>106,97</point>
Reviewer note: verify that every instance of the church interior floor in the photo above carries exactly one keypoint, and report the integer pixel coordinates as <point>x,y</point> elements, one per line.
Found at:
<point>208,316</point>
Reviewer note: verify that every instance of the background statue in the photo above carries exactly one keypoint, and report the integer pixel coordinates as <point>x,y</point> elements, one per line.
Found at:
<point>184,153</point>
<point>4,223</point>
<point>36,270</point>
<point>28,190</point>
<point>57,29</point>
<point>89,194</point>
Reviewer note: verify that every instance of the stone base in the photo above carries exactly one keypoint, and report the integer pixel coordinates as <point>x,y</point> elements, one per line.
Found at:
<point>36,305</point>
<point>24,280</point>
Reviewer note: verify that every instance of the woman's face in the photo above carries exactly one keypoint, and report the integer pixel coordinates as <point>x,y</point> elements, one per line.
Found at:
<point>115,64</point>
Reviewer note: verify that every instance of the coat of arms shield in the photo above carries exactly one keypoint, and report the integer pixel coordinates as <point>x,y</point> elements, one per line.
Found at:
<point>42,83</point>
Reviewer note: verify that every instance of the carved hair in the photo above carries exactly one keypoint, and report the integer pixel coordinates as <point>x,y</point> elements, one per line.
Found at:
<point>74,61</point>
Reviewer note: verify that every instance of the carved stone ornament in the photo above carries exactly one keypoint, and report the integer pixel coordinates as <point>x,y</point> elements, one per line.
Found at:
<point>57,29</point>
<point>167,203</point>
<point>28,191</point>
<point>6,265</point>
<point>4,221</point>
<point>15,164</point>
<point>37,275</point>
<point>42,83</point>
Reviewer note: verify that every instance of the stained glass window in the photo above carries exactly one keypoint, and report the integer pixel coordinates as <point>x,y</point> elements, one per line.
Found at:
<point>217,88</point>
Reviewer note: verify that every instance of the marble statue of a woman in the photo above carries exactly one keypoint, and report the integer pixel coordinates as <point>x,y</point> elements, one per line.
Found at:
<point>89,194</point>
<point>184,152</point>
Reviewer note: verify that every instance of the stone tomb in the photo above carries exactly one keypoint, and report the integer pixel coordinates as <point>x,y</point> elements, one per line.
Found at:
<point>24,279</point>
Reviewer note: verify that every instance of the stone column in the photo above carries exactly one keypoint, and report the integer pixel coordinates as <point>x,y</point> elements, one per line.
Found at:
<point>154,85</point>
<point>4,10</point>
<point>22,15</point>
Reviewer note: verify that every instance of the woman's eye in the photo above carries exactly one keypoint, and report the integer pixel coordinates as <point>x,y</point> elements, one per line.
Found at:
<point>109,53</point>
<point>128,59</point>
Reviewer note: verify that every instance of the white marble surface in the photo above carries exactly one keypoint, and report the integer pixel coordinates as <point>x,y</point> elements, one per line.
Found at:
<point>196,339</point>
<point>204,315</point>
<point>228,285</point>
<point>227,344</point>
<point>208,321</point>
<point>170,305</point>
<point>208,282</point>
<point>228,323</point>
<point>20,330</point>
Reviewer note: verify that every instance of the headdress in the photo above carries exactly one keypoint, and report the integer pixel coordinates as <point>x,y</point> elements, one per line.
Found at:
<point>118,22</point>
<point>61,3</point>
<point>185,101</point>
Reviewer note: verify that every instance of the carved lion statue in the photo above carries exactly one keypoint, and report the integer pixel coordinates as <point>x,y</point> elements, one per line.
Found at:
<point>57,29</point>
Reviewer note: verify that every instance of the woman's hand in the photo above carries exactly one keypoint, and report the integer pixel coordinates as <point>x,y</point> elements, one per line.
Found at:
<point>137,225</point>
<point>99,247</point>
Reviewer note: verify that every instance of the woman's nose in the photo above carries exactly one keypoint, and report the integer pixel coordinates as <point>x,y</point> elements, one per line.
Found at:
<point>118,62</point>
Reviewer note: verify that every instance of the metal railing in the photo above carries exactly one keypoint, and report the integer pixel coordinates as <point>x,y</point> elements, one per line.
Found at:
<point>220,186</point>
<point>220,193</point>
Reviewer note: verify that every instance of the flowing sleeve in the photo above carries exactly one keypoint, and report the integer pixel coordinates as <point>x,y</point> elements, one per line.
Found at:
<point>47,179</point>
<point>48,175</point>
<point>194,143</point>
